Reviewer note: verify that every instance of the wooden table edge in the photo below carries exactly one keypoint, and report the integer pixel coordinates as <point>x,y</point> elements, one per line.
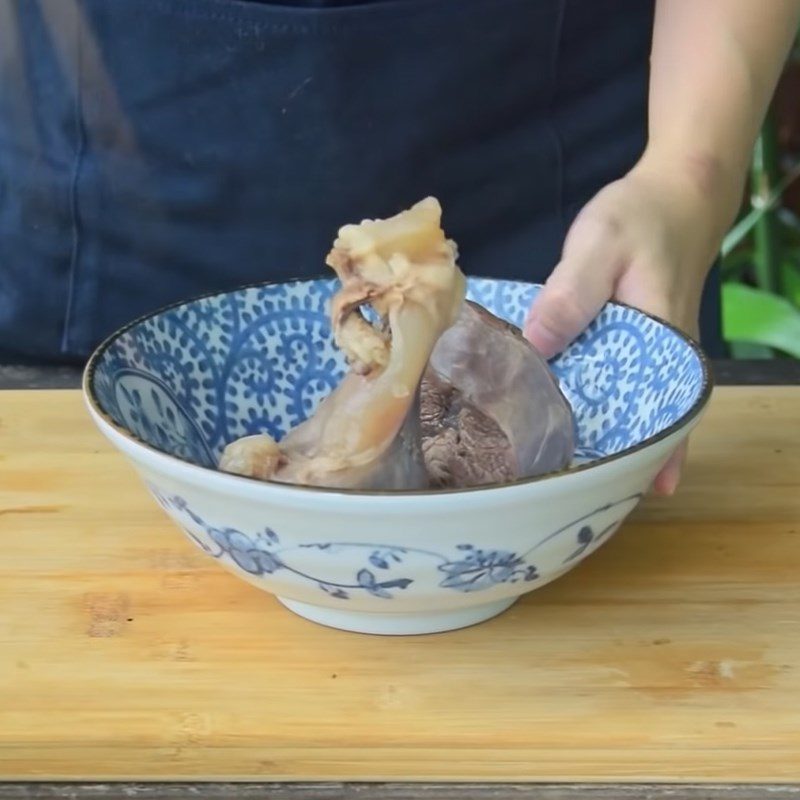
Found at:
<point>30,790</point>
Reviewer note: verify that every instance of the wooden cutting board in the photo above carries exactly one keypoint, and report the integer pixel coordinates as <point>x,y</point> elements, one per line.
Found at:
<point>672,654</point>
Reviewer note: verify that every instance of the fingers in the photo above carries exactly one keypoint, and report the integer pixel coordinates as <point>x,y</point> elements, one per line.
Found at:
<point>666,482</point>
<point>584,280</point>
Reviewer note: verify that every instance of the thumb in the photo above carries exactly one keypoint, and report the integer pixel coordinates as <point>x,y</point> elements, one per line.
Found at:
<point>666,482</point>
<point>576,290</point>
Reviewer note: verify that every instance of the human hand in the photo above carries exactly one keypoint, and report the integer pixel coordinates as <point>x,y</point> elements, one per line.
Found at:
<point>647,240</point>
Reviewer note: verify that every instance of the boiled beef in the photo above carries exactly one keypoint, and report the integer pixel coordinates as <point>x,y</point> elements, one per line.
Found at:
<point>440,393</point>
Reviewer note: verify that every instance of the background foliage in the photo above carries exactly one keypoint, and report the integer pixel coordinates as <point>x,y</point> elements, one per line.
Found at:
<point>761,253</point>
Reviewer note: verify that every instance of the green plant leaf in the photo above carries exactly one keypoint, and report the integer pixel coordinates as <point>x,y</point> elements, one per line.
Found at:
<point>790,281</point>
<point>761,206</point>
<point>751,352</point>
<point>759,317</point>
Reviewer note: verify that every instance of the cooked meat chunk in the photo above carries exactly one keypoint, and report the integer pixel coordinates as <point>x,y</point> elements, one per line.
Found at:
<point>440,393</point>
<point>364,435</point>
<point>500,413</point>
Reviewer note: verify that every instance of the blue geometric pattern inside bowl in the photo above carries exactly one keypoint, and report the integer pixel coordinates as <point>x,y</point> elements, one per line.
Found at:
<point>192,378</point>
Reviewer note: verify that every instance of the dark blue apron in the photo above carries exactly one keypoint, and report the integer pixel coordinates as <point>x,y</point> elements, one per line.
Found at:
<point>151,150</point>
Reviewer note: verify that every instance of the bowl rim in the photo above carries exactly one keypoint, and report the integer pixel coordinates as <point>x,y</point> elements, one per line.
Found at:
<point>87,387</point>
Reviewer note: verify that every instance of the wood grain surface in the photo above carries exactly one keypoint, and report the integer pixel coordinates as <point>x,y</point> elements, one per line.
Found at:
<point>672,654</point>
<point>393,791</point>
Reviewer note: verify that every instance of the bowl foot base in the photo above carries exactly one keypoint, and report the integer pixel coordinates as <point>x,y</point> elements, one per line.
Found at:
<point>398,624</point>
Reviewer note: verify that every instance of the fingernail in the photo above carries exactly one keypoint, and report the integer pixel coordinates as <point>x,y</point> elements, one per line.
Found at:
<point>544,340</point>
<point>667,483</point>
<point>527,329</point>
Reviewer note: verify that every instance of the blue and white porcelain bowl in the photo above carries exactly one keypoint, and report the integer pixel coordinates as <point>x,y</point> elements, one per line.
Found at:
<point>171,389</point>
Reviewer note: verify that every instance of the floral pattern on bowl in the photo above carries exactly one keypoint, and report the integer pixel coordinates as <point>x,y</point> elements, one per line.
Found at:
<point>378,569</point>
